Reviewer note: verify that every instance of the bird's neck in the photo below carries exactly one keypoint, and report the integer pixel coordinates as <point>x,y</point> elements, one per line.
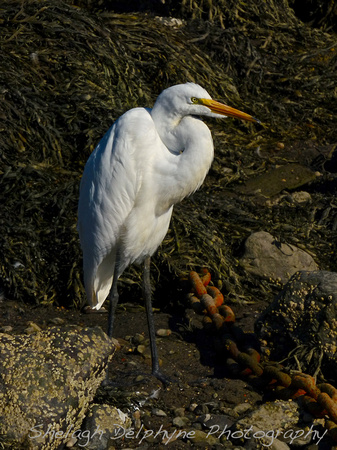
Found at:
<point>189,154</point>
<point>168,126</point>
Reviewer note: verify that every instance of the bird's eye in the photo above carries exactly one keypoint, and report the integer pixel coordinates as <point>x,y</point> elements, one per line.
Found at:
<point>194,100</point>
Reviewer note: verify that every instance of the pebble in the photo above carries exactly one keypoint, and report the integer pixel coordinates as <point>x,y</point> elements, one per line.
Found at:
<point>180,422</point>
<point>32,328</point>
<point>6,329</point>
<point>179,412</point>
<point>222,421</point>
<point>241,408</point>
<point>197,425</point>
<point>192,406</point>
<point>301,197</point>
<point>201,409</point>
<point>162,332</point>
<point>159,412</point>
<point>71,442</point>
<point>138,339</point>
<point>200,437</point>
<point>56,321</point>
<point>144,351</point>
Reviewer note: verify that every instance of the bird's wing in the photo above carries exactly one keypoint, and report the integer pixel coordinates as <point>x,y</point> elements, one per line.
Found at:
<point>111,180</point>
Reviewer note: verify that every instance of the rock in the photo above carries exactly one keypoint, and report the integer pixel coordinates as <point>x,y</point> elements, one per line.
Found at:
<point>211,420</point>
<point>301,197</point>
<point>288,176</point>
<point>179,412</point>
<point>102,424</point>
<point>304,315</point>
<point>32,328</point>
<point>200,437</point>
<point>242,408</point>
<point>48,379</point>
<point>265,424</point>
<point>159,412</point>
<point>163,332</point>
<point>180,422</point>
<point>266,257</point>
<point>138,339</point>
<point>201,409</point>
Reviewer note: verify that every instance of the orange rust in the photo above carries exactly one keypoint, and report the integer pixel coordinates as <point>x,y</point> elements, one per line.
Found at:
<point>206,276</point>
<point>299,393</point>
<point>227,313</point>
<point>253,353</point>
<point>232,348</point>
<point>285,393</point>
<point>274,372</point>
<point>217,320</point>
<point>193,299</point>
<point>327,403</point>
<point>306,383</point>
<point>197,285</point>
<point>312,406</point>
<point>215,294</point>
<point>329,389</point>
<point>208,303</point>
<point>318,400</point>
<point>250,363</point>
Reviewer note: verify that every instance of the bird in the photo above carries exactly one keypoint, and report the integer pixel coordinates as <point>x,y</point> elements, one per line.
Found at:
<point>148,161</point>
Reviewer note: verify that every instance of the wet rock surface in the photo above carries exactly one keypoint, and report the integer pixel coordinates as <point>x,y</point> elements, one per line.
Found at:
<point>203,407</point>
<point>265,256</point>
<point>302,320</point>
<point>47,381</point>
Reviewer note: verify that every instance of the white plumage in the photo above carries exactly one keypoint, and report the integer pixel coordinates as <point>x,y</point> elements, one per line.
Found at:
<point>149,160</point>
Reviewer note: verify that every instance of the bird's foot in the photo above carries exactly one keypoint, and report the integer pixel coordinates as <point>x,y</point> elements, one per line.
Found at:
<point>163,378</point>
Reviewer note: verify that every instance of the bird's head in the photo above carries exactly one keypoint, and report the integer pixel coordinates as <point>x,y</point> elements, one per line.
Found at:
<point>192,99</point>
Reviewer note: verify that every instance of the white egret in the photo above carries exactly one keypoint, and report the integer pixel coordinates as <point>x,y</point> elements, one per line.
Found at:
<point>149,160</point>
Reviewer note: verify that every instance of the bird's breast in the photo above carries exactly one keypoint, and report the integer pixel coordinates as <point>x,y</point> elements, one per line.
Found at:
<point>143,232</point>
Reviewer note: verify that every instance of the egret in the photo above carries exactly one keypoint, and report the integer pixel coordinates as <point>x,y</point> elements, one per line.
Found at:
<point>149,160</point>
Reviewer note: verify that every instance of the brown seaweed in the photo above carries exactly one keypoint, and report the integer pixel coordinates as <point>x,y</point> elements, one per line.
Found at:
<point>68,70</point>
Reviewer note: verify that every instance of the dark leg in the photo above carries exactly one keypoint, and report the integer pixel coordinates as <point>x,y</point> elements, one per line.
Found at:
<point>114,297</point>
<point>112,310</point>
<point>150,321</point>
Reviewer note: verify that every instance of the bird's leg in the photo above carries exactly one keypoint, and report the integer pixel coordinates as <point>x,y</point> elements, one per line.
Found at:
<point>114,297</point>
<point>112,310</point>
<point>150,321</point>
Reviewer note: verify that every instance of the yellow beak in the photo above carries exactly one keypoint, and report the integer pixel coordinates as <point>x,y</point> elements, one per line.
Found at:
<point>220,108</point>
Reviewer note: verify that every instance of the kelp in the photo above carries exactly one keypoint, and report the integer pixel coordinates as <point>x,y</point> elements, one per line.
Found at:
<point>68,70</point>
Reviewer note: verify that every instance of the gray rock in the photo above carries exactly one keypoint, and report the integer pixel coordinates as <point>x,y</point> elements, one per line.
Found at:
<point>48,380</point>
<point>303,317</point>
<point>103,424</point>
<point>241,408</point>
<point>213,421</point>
<point>200,437</point>
<point>180,422</point>
<point>264,425</point>
<point>267,258</point>
<point>159,412</point>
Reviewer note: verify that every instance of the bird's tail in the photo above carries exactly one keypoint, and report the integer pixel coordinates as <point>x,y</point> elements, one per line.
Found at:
<point>99,284</point>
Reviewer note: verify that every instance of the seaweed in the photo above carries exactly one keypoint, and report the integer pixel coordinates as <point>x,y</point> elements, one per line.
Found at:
<point>69,69</point>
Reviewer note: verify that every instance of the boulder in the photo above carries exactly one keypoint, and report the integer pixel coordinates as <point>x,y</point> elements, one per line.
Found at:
<point>303,320</point>
<point>103,425</point>
<point>266,257</point>
<point>47,382</point>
